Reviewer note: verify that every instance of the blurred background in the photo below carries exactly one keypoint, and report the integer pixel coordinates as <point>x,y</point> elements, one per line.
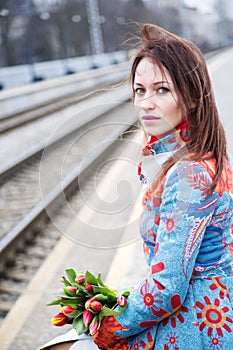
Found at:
<point>35,33</point>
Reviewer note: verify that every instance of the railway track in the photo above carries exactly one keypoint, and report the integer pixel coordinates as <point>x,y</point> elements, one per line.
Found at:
<point>33,186</point>
<point>36,101</point>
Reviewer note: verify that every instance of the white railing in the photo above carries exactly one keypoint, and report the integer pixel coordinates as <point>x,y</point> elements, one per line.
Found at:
<point>25,74</point>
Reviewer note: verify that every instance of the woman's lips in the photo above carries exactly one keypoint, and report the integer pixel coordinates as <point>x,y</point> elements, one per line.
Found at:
<point>149,118</point>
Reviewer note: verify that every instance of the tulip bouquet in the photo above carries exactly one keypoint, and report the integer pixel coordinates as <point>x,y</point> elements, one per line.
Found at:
<point>84,302</point>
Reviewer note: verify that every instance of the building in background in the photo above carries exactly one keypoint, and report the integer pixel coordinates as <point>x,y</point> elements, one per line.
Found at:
<point>33,31</point>
<point>207,23</point>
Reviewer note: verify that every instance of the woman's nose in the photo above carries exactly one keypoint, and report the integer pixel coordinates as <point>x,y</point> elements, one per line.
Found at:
<point>148,102</point>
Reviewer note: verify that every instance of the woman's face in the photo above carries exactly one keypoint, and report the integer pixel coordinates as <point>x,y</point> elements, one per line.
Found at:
<point>155,99</point>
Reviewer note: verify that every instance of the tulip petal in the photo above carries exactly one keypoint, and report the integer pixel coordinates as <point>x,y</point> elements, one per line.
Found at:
<point>59,320</point>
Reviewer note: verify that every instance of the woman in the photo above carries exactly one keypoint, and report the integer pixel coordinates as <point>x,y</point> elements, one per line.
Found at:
<point>186,303</point>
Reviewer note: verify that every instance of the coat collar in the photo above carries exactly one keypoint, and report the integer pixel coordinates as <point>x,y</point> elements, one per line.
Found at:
<point>158,150</point>
<point>169,143</point>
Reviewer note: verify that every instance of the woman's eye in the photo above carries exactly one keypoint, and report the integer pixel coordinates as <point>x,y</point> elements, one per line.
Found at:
<point>139,91</point>
<point>163,90</point>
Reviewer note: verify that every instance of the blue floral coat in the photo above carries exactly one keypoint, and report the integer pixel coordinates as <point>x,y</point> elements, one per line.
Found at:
<point>186,303</point>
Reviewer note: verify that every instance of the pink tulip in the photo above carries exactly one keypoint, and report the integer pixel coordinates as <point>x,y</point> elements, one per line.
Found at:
<point>93,304</point>
<point>93,328</point>
<point>89,287</point>
<point>80,279</point>
<point>67,310</point>
<point>87,317</point>
<point>96,305</point>
<point>88,304</point>
<point>70,290</point>
<point>121,300</point>
<point>59,320</point>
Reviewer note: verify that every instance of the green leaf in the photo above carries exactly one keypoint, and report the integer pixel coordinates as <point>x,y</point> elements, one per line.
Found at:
<point>72,303</point>
<point>71,275</point>
<point>101,316</point>
<point>81,288</point>
<point>96,289</point>
<point>105,311</point>
<point>89,278</point>
<point>76,313</point>
<point>126,293</point>
<point>79,326</point>
<point>112,299</point>
<point>100,297</point>
<point>65,281</point>
<point>99,280</point>
<point>107,291</point>
<point>54,302</point>
<point>67,297</point>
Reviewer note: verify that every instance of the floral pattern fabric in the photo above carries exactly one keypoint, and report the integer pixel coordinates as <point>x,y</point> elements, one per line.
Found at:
<point>186,302</point>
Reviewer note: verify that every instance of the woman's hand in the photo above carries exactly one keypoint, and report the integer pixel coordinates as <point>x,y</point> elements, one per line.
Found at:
<point>105,337</point>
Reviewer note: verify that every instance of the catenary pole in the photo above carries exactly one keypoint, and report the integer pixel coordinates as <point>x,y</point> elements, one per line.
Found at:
<point>95,29</point>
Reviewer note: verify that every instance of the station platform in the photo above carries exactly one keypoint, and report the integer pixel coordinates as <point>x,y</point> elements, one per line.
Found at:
<point>122,265</point>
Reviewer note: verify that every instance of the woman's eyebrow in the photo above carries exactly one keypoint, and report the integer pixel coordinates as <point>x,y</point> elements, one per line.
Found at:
<point>139,84</point>
<point>155,83</point>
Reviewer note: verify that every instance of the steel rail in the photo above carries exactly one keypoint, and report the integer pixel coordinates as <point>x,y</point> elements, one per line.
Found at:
<point>4,171</point>
<point>16,102</point>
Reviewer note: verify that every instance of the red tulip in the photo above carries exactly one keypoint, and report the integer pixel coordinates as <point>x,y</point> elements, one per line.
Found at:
<point>121,300</point>
<point>93,328</point>
<point>59,320</point>
<point>87,317</point>
<point>96,305</point>
<point>93,304</point>
<point>89,287</point>
<point>80,279</point>
<point>88,304</point>
<point>70,290</point>
<point>67,310</point>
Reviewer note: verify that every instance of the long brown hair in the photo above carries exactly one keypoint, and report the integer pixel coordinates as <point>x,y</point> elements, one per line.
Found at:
<point>187,68</point>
